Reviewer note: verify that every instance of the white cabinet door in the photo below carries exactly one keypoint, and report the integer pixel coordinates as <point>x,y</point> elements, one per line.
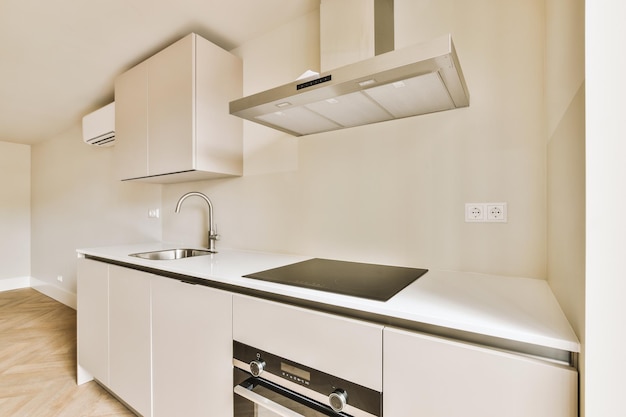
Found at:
<point>130,358</point>
<point>131,123</point>
<point>172,115</point>
<point>192,350</point>
<point>350,349</point>
<point>92,290</point>
<point>435,377</point>
<point>171,88</point>
<point>219,135</point>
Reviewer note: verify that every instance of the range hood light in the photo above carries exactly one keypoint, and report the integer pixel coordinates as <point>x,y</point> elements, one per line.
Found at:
<point>399,84</point>
<point>367,82</point>
<point>332,101</point>
<point>283,104</point>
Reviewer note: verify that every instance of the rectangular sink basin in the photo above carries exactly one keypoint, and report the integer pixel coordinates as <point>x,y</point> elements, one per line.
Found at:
<point>170,254</point>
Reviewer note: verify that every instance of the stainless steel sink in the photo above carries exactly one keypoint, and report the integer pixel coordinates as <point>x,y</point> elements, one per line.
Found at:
<point>170,254</point>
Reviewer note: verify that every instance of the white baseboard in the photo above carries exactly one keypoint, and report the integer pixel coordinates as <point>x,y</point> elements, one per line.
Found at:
<point>52,291</point>
<point>9,284</point>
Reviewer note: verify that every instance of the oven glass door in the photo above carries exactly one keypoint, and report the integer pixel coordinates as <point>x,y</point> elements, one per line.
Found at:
<point>257,397</point>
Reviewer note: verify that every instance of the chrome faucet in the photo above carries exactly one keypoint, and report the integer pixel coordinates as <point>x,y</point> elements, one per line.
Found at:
<point>213,236</point>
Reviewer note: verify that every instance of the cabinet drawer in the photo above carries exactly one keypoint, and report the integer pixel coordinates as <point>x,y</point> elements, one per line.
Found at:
<point>436,377</point>
<point>348,348</point>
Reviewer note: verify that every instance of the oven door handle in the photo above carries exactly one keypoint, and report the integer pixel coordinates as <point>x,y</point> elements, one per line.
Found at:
<point>265,402</point>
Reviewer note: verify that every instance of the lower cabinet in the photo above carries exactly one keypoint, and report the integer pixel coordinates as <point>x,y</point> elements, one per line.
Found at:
<point>165,348</point>
<point>130,361</point>
<point>435,377</point>
<point>347,348</point>
<point>192,350</point>
<point>162,346</point>
<point>92,328</point>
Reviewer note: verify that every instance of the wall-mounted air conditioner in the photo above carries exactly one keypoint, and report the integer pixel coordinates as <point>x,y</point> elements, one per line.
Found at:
<point>99,126</point>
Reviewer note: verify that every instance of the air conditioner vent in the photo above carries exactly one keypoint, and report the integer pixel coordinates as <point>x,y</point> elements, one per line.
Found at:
<point>106,139</point>
<point>99,126</point>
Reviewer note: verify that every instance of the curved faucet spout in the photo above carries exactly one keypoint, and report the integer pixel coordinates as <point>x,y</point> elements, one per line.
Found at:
<point>213,236</point>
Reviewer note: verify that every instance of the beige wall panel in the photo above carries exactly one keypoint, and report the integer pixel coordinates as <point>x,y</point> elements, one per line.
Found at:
<point>14,215</point>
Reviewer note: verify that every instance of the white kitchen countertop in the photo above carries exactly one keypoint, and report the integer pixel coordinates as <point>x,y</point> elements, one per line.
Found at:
<point>516,309</point>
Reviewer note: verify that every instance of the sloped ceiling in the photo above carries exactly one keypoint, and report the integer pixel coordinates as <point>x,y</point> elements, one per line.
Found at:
<point>58,59</point>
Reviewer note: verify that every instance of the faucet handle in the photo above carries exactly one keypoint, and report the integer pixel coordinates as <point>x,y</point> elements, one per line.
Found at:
<point>213,235</point>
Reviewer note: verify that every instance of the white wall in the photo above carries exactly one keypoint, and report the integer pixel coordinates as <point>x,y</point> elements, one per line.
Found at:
<point>394,192</point>
<point>78,203</point>
<point>606,204</point>
<point>14,215</point>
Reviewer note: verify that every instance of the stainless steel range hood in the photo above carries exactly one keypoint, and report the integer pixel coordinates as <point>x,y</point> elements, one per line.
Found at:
<point>420,79</point>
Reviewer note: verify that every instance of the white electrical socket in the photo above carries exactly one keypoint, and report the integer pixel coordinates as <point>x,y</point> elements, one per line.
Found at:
<point>474,212</point>
<point>60,278</point>
<point>153,213</point>
<point>496,212</point>
<point>485,212</point>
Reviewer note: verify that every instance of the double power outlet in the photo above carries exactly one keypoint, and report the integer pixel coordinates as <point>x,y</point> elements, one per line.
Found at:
<point>485,212</point>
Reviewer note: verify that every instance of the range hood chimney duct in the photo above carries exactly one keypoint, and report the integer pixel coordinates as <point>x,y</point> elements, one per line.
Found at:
<point>383,84</point>
<point>384,27</point>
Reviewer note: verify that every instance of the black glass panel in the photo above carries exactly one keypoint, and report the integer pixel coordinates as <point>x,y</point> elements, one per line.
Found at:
<point>375,282</point>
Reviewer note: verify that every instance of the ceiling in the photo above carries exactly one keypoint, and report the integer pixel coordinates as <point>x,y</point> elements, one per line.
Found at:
<point>59,59</point>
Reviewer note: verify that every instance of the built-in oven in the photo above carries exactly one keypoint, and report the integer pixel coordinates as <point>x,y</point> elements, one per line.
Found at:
<point>267,385</point>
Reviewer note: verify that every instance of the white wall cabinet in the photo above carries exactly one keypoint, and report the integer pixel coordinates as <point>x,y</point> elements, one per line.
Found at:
<point>172,117</point>
<point>162,346</point>
<point>435,377</point>
<point>192,350</point>
<point>131,123</point>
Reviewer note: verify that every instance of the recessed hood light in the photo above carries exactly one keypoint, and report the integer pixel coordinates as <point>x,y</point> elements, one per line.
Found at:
<point>366,83</point>
<point>421,79</point>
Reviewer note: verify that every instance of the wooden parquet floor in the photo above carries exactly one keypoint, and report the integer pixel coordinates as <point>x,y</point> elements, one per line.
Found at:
<point>38,362</point>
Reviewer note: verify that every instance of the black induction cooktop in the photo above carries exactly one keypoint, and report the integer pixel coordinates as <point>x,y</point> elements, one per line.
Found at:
<point>375,282</point>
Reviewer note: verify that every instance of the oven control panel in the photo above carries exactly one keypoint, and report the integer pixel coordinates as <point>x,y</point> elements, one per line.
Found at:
<point>260,362</point>
<point>339,392</point>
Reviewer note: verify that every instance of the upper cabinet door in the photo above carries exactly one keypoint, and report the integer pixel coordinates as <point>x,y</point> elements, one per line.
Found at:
<point>131,123</point>
<point>219,135</point>
<point>172,117</point>
<point>171,87</point>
